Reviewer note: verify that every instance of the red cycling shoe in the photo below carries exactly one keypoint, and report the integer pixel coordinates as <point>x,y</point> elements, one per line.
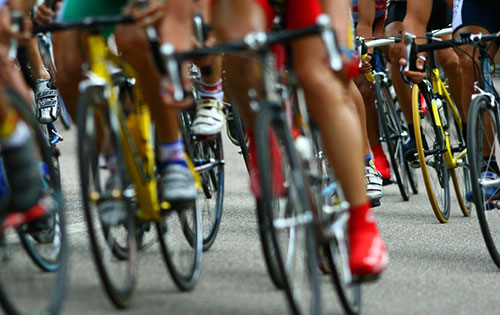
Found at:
<point>381,163</point>
<point>368,252</point>
<point>278,181</point>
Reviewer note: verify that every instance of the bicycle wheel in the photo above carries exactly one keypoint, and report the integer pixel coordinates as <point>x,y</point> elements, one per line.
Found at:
<point>207,155</point>
<point>411,173</point>
<point>108,198</point>
<point>39,288</point>
<point>288,213</point>
<point>482,150</point>
<point>431,148</point>
<point>333,218</point>
<point>393,136</point>
<point>182,256</point>
<point>460,175</point>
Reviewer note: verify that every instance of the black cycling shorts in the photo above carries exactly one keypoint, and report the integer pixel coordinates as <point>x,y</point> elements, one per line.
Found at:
<point>441,15</point>
<point>484,13</point>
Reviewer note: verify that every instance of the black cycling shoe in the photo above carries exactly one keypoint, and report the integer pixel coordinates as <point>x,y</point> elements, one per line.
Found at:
<point>232,134</point>
<point>23,172</point>
<point>410,153</point>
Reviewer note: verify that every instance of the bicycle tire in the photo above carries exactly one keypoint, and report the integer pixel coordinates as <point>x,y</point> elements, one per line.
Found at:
<point>113,244</point>
<point>43,290</point>
<point>298,263</point>
<point>460,175</point>
<point>182,257</point>
<point>335,252</point>
<point>411,173</point>
<point>393,138</point>
<point>429,137</point>
<point>477,137</point>
<point>207,154</point>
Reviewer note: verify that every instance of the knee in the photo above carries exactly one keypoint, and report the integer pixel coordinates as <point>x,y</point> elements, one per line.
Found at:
<point>131,42</point>
<point>366,91</point>
<point>451,63</point>
<point>396,52</point>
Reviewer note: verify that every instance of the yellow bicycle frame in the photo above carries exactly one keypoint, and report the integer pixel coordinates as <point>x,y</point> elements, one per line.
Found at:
<point>136,139</point>
<point>439,89</point>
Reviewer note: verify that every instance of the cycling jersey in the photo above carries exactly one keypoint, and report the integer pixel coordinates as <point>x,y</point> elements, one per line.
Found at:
<point>484,13</point>
<point>298,13</point>
<point>380,10</point>
<point>440,17</point>
<point>76,10</point>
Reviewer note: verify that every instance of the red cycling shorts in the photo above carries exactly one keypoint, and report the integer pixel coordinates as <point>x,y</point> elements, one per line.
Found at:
<point>299,13</point>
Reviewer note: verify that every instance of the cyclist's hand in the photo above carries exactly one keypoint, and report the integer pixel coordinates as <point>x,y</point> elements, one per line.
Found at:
<point>167,92</point>
<point>6,28</point>
<point>366,65</point>
<point>150,15</point>
<point>44,14</point>
<point>414,76</point>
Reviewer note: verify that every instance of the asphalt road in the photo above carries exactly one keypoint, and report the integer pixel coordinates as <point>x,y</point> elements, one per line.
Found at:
<point>434,268</point>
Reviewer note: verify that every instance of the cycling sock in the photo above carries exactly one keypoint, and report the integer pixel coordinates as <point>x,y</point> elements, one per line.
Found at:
<point>172,153</point>
<point>214,91</point>
<point>11,138</point>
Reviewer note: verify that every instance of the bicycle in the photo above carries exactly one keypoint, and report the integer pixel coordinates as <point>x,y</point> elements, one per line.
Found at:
<point>439,139</point>
<point>119,126</point>
<point>394,129</point>
<point>482,140</point>
<point>293,225</point>
<point>24,289</point>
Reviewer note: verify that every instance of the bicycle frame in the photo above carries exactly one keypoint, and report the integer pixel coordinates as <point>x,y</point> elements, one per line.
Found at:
<point>135,129</point>
<point>439,89</point>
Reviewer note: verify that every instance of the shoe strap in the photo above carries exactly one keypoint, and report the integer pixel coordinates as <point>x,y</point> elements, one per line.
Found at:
<point>210,103</point>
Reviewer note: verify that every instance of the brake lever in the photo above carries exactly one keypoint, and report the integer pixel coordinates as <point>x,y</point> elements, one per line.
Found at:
<point>408,40</point>
<point>199,28</point>
<point>328,36</point>
<point>17,27</point>
<point>173,69</point>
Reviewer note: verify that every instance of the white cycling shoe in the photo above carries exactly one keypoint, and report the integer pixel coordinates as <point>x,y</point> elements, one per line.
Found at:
<point>210,118</point>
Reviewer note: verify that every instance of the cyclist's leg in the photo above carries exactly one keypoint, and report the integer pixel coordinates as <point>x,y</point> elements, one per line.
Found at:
<point>396,52</point>
<point>450,62</point>
<point>469,16</point>
<point>339,124</point>
<point>373,178</point>
<point>17,149</point>
<point>210,116</point>
<point>46,94</point>
<point>233,20</point>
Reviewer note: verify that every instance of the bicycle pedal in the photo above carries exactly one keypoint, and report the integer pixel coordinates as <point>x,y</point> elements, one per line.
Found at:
<point>358,279</point>
<point>375,203</point>
<point>387,181</point>
<point>414,163</point>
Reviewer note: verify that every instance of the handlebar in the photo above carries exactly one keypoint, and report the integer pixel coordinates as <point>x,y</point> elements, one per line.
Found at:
<point>363,47</point>
<point>256,42</point>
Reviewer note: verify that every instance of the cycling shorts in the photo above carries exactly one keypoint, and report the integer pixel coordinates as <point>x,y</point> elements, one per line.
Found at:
<point>440,17</point>
<point>298,13</point>
<point>380,11</point>
<point>76,10</point>
<point>484,13</point>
